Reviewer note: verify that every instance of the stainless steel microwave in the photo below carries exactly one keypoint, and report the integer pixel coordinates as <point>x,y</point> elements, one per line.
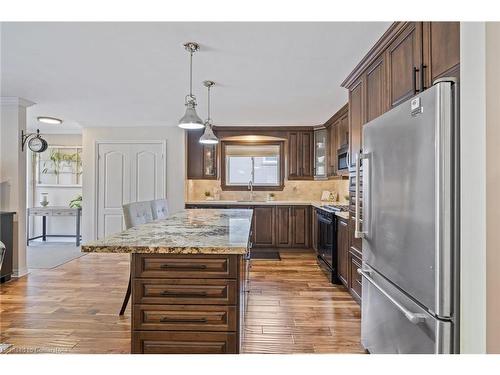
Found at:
<point>343,158</point>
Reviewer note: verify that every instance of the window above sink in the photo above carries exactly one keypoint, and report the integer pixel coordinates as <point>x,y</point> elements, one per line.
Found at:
<point>258,162</point>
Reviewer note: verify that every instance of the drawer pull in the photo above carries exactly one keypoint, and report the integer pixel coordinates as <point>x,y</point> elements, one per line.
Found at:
<point>183,294</point>
<point>184,266</point>
<point>185,320</point>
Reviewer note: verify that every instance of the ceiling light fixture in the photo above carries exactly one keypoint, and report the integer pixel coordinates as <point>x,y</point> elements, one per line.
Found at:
<point>208,136</point>
<point>49,120</point>
<point>191,120</point>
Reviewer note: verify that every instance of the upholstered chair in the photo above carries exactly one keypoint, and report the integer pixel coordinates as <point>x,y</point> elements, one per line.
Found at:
<point>160,209</point>
<point>135,213</point>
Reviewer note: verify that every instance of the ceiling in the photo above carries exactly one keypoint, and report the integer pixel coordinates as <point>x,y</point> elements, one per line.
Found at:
<point>136,74</point>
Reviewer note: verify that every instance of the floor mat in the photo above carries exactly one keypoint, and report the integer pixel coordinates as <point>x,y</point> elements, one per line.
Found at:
<point>265,255</point>
<point>51,254</point>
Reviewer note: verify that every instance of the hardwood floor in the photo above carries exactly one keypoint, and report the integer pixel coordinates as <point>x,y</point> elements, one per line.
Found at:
<point>74,308</point>
<point>292,308</point>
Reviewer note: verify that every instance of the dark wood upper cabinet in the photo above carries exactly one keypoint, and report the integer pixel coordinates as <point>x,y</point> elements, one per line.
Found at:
<point>404,60</point>
<point>337,128</point>
<point>441,50</point>
<point>343,251</point>
<point>301,155</point>
<point>201,159</point>
<point>264,226</point>
<point>301,226</point>
<point>283,226</point>
<point>375,89</point>
<point>332,132</point>
<point>356,119</point>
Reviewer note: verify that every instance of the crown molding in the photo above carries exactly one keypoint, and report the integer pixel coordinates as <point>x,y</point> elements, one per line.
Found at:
<point>14,100</point>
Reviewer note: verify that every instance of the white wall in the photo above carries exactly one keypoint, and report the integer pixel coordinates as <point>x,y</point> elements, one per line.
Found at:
<point>175,165</point>
<point>13,174</point>
<point>492,187</point>
<point>57,195</point>
<point>473,198</point>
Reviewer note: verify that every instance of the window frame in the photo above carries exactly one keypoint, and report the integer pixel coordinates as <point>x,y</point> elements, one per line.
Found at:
<point>281,177</point>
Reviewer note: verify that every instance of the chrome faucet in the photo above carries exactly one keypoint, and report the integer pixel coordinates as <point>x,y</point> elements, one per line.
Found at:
<point>250,187</point>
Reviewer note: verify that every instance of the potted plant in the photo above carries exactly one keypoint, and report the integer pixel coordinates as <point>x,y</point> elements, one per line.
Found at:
<point>208,196</point>
<point>77,202</point>
<point>271,196</point>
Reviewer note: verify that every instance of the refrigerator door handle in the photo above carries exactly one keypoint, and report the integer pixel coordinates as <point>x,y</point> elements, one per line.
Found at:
<point>414,318</point>
<point>358,233</point>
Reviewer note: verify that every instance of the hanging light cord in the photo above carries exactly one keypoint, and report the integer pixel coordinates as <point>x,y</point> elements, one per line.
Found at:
<point>191,74</point>
<point>209,120</point>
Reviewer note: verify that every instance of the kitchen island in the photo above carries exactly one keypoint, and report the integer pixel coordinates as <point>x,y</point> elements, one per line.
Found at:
<point>189,280</point>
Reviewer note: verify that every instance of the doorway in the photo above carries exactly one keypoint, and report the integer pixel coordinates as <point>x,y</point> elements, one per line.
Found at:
<point>127,172</point>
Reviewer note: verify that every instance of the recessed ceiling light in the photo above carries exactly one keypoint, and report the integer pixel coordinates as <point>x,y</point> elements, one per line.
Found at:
<point>49,120</point>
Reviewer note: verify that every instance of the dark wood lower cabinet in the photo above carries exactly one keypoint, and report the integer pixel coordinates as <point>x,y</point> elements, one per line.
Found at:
<point>277,226</point>
<point>343,250</point>
<point>354,277</point>
<point>166,342</point>
<point>301,226</point>
<point>7,237</point>
<point>264,224</point>
<point>283,226</point>
<point>188,304</point>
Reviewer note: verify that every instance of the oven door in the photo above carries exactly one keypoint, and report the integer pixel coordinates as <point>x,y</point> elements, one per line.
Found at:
<point>326,237</point>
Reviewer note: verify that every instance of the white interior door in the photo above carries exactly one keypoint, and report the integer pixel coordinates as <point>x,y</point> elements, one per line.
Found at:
<point>127,172</point>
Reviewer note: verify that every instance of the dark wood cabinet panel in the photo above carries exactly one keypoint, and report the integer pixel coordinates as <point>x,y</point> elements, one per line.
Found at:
<point>293,155</point>
<point>355,283</point>
<point>307,154</point>
<point>343,250</point>
<point>343,131</point>
<point>179,342</point>
<point>404,59</point>
<point>7,237</point>
<point>356,120</point>
<point>301,226</point>
<point>264,226</point>
<point>314,230</point>
<point>332,132</point>
<point>376,102</point>
<point>301,155</point>
<point>441,48</point>
<point>283,226</point>
<point>201,159</point>
<point>355,244</point>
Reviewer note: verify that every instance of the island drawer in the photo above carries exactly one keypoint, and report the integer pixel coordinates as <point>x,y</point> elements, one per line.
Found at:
<point>166,342</point>
<point>185,292</point>
<point>185,266</point>
<point>185,318</point>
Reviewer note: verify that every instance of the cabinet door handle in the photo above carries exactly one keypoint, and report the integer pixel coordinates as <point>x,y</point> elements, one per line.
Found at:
<point>422,77</point>
<point>186,267</point>
<point>183,320</point>
<point>168,293</point>
<point>415,72</point>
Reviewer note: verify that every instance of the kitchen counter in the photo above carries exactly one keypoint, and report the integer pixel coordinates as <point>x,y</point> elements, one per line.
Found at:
<point>201,231</point>
<point>188,280</point>
<point>316,204</point>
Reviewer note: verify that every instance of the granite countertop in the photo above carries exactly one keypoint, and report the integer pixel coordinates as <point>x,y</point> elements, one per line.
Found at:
<point>317,204</point>
<point>196,231</point>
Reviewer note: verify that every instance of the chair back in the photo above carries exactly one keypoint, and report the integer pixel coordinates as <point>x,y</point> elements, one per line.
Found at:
<point>2,253</point>
<point>160,209</point>
<point>137,213</point>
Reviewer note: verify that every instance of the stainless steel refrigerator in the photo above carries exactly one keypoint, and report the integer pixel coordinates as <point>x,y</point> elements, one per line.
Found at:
<point>410,225</point>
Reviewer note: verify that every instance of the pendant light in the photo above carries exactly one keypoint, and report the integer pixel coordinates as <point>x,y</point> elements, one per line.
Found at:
<point>208,136</point>
<point>191,120</point>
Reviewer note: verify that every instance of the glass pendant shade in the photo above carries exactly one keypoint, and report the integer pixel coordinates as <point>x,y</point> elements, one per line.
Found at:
<point>208,137</point>
<point>191,120</point>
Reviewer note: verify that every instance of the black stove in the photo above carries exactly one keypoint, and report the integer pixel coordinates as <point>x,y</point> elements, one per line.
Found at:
<point>327,238</point>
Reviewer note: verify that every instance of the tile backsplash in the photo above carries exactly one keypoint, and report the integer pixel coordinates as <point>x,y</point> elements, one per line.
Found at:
<point>294,190</point>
